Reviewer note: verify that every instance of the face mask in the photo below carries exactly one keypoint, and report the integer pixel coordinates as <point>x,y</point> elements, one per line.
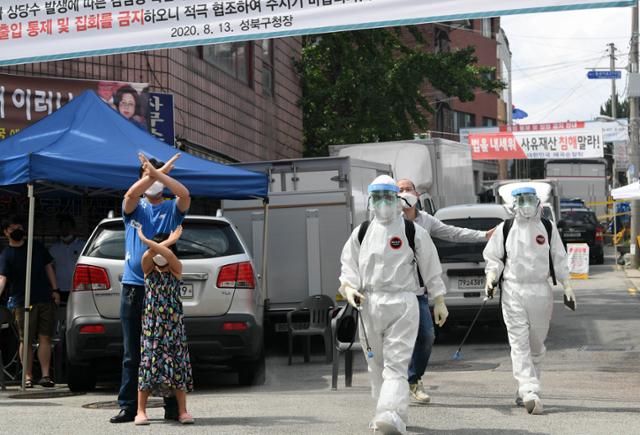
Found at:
<point>160,261</point>
<point>68,238</point>
<point>527,211</point>
<point>385,212</point>
<point>17,235</point>
<point>408,200</point>
<point>155,189</point>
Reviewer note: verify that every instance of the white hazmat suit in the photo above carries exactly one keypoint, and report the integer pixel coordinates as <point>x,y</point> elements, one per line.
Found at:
<point>527,298</point>
<point>383,270</point>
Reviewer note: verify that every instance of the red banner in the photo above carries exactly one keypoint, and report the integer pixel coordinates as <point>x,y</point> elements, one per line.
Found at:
<point>583,143</point>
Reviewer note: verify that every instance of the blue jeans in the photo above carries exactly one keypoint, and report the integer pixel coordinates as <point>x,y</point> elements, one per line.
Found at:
<point>424,342</point>
<point>131,309</point>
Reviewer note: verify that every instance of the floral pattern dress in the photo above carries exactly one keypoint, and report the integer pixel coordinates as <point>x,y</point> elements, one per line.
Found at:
<point>164,356</point>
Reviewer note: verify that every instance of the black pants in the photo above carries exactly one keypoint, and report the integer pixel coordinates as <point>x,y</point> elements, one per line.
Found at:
<point>131,308</point>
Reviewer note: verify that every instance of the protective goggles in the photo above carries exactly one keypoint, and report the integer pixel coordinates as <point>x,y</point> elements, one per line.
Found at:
<point>526,200</point>
<point>388,196</point>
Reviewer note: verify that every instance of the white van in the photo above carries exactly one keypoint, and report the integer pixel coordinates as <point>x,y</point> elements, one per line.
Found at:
<point>463,263</point>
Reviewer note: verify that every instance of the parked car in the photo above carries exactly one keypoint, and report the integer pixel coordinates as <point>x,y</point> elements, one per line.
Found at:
<point>463,263</point>
<point>580,225</point>
<point>222,301</point>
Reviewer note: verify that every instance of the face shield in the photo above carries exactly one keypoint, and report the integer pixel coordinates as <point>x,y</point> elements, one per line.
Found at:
<point>384,204</point>
<point>526,204</point>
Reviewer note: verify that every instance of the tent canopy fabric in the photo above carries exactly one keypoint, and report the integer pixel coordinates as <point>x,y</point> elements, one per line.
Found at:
<point>87,143</point>
<point>630,191</point>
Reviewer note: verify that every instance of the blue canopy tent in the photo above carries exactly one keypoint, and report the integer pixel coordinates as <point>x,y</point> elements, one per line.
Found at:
<point>87,144</point>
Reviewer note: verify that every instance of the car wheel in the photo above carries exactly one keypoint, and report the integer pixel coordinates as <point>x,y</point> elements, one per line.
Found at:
<point>80,378</point>
<point>252,373</point>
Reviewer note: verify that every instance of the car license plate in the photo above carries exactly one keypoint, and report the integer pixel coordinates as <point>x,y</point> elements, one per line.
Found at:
<point>186,291</point>
<point>471,282</point>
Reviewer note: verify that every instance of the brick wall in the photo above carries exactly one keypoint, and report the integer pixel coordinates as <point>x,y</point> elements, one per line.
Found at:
<point>212,109</point>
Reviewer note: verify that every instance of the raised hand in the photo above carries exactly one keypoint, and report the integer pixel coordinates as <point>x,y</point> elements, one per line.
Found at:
<point>175,234</point>
<point>147,167</point>
<point>169,165</point>
<point>141,235</point>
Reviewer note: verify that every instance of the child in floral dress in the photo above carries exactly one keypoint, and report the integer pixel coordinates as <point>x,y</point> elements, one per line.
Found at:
<point>165,367</point>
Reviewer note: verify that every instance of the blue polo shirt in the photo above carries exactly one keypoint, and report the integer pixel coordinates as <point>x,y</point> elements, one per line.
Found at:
<point>155,219</point>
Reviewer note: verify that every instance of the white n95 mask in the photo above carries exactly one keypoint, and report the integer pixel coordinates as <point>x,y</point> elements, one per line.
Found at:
<point>385,212</point>
<point>528,211</point>
<point>160,261</point>
<point>155,189</point>
<point>408,200</point>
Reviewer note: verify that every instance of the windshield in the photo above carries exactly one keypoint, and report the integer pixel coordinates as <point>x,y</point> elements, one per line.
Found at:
<point>579,217</point>
<point>199,240</point>
<point>451,252</point>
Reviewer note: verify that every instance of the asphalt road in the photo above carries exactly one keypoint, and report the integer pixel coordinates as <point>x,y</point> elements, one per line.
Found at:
<point>591,382</point>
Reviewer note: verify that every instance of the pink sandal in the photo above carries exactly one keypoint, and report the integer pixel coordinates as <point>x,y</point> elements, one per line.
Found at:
<point>141,421</point>
<point>186,418</point>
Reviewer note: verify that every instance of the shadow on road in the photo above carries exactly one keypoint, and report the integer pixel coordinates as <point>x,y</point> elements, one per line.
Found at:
<point>422,430</point>
<point>258,421</point>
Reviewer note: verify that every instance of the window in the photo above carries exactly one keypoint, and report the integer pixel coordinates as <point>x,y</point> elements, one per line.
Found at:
<point>455,252</point>
<point>234,58</point>
<point>206,239</point>
<point>267,67</point>
<point>489,122</point>
<point>463,120</point>
<point>442,41</point>
<point>486,28</point>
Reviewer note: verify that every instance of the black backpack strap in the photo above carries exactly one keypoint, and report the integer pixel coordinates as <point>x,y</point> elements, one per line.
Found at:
<point>549,227</point>
<point>362,231</point>
<point>410,232</point>
<point>506,227</point>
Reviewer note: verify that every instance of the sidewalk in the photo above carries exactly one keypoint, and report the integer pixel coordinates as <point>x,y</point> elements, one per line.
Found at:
<point>633,275</point>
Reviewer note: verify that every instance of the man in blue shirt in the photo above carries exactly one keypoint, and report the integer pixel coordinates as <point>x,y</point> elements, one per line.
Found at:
<point>155,215</point>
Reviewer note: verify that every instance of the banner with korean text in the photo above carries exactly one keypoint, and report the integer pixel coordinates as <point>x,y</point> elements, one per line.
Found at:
<point>25,100</point>
<point>39,31</point>
<point>544,144</point>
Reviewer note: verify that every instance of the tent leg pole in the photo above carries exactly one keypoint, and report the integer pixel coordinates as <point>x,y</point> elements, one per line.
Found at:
<point>26,343</point>
<point>265,232</point>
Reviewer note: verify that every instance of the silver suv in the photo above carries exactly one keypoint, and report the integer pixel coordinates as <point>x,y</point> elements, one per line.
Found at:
<point>223,304</point>
<point>463,263</point>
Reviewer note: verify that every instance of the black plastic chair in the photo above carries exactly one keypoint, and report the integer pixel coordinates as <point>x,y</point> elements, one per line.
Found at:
<point>319,310</point>
<point>344,328</point>
<point>6,320</point>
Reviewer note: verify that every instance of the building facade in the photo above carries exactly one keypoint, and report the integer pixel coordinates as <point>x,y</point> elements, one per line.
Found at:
<point>487,109</point>
<point>232,102</point>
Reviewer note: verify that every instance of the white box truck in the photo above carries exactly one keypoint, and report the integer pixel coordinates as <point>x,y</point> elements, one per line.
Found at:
<point>314,205</point>
<point>583,179</point>
<point>442,170</point>
<point>546,190</point>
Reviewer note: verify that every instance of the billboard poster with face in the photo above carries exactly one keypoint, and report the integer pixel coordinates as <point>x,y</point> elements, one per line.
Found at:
<point>25,100</point>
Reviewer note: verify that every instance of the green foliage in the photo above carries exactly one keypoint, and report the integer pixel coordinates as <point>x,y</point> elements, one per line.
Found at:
<point>365,86</point>
<point>622,108</point>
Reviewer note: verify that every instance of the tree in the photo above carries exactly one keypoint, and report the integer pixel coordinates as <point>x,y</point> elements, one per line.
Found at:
<point>365,86</point>
<point>622,108</point>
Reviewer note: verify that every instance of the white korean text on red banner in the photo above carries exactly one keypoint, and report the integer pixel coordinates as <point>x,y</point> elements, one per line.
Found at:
<point>61,29</point>
<point>543,144</point>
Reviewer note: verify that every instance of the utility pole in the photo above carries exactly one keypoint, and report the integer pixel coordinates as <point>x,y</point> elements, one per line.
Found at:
<point>634,157</point>
<point>614,97</point>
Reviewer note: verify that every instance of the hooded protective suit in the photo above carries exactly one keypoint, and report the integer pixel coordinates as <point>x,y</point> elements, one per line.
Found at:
<point>383,270</point>
<point>527,298</point>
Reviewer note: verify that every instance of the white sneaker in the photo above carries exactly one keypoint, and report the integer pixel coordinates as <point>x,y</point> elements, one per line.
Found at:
<point>533,404</point>
<point>418,394</point>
